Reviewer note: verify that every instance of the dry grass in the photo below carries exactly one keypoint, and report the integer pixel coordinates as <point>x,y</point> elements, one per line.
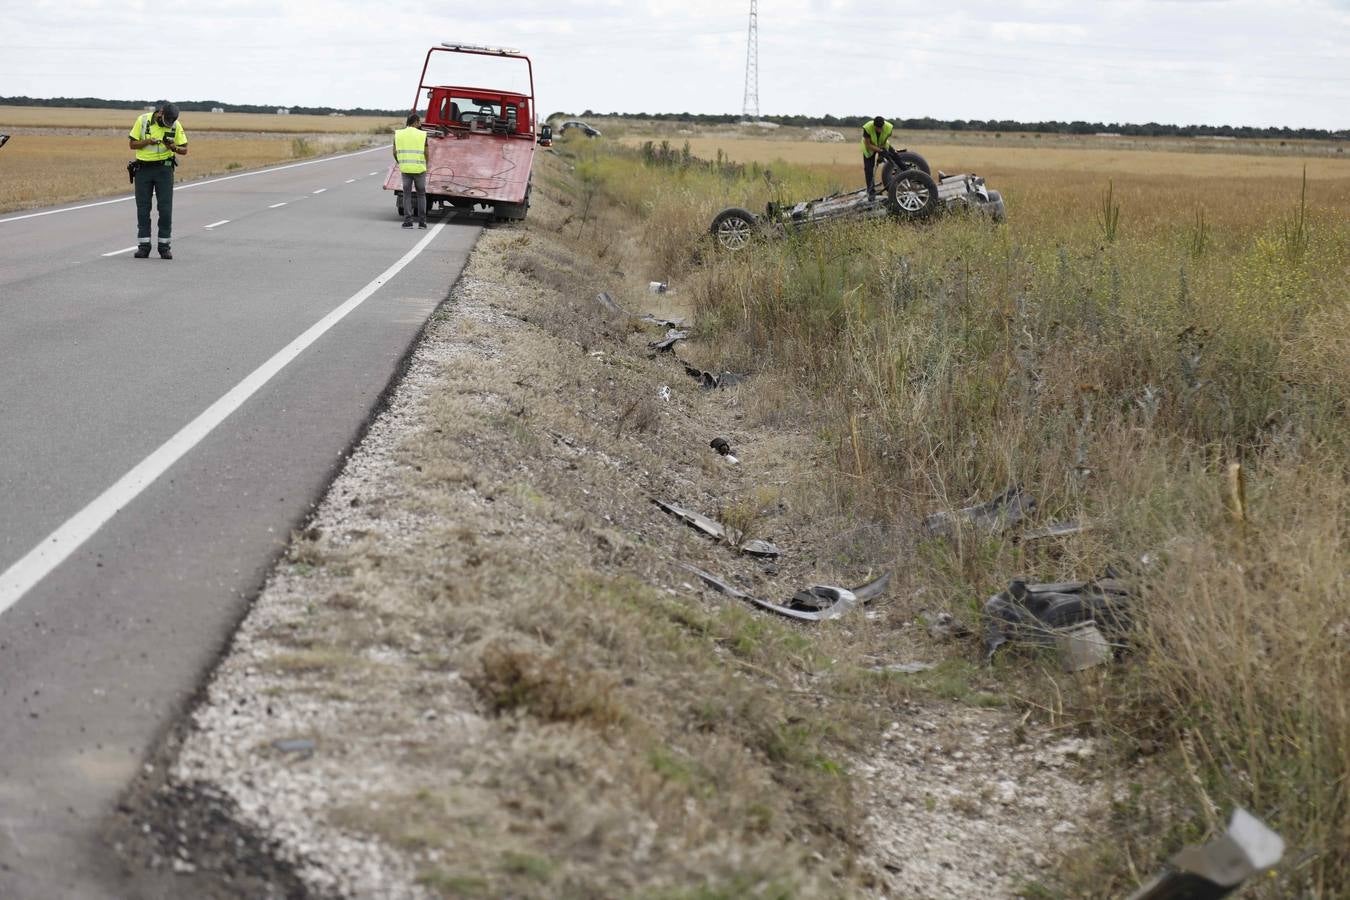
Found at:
<point>51,117</point>
<point>995,161</point>
<point>48,169</point>
<point>1116,380</point>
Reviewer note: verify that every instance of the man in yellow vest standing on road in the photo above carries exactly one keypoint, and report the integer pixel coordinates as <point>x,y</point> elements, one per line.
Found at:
<point>876,137</point>
<point>158,139</point>
<point>410,150</point>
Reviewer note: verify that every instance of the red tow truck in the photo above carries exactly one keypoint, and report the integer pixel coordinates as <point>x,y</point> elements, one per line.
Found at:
<point>480,142</point>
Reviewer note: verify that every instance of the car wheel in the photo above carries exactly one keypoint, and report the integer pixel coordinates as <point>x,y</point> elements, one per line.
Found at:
<point>733,228</point>
<point>913,194</point>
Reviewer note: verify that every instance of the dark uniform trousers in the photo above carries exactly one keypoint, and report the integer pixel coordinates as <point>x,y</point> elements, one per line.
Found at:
<point>154,178</point>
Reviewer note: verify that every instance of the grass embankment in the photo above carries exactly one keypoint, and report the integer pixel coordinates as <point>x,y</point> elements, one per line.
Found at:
<point>1116,371</point>
<point>59,156</point>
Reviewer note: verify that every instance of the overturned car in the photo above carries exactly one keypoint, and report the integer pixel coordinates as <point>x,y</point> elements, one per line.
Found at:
<point>912,193</point>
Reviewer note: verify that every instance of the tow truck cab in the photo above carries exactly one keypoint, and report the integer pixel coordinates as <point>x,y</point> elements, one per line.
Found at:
<point>480,141</point>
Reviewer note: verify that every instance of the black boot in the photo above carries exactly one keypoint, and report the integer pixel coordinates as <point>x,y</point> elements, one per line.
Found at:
<point>163,252</point>
<point>142,251</point>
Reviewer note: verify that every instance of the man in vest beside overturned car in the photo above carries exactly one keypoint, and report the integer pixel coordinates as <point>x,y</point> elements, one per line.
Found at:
<point>158,139</point>
<point>876,136</point>
<point>410,150</point>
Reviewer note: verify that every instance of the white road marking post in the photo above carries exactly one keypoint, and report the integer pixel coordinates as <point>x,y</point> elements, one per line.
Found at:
<point>56,547</point>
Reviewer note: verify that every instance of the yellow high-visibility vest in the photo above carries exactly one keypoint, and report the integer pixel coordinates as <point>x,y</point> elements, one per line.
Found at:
<point>147,129</point>
<point>870,130</point>
<point>411,146</point>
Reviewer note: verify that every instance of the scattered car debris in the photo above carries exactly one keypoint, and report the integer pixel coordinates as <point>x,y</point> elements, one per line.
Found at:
<point>1217,869</point>
<point>302,747</point>
<point>4,139</point>
<point>667,343</point>
<point>724,448</point>
<point>996,516</point>
<point>1057,529</point>
<point>710,381</point>
<point>1039,613</point>
<point>823,601</point>
<point>943,626</point>
<point>657,287</point>
<point>606,301</point>
<point>1082,647</point>
<point>664,393</point>
<point>717,531</point>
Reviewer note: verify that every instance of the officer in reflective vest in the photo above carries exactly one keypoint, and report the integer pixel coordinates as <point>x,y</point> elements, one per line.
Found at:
<point>158,139</point>
<point>410,150</point>
<point>876,137</point>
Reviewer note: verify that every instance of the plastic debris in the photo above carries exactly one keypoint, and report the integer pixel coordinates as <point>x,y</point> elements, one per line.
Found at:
<point>995,516</point>
<point>657,287</point>
<point>1038,613</point>
<point>710,380</point>
<point>717,531</point>
<point>607,303</point>
<point>667,344</point>
<point>1218,868</point>
<point>826,601</point>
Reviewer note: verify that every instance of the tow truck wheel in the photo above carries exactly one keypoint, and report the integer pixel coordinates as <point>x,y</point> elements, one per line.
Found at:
<point>912,194</point>
<point>733,228</point>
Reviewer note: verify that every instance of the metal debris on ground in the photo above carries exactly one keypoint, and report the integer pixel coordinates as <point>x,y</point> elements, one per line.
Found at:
<point>996,516</point>
<point>304,747</point>
<point>1217,869</point>
<point>667,344</point>
<point>717,531</point>
<point>607,303</point>
<point>1039,613</point>
<point>825,601</point>
<point>709,380</point>
<point>1057,529</point>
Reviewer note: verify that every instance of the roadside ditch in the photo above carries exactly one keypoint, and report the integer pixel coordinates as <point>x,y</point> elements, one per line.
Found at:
<point>484,668</point>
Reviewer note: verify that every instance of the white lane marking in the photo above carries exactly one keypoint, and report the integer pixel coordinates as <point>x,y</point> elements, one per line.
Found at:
<point>372,173</point>
<point>349,181</point>
<point>276,205</point>
<point>19,578</point>
<point>214,224</point>
<point>123,250</point>
<point>194,184</point>
<point>320,190</point>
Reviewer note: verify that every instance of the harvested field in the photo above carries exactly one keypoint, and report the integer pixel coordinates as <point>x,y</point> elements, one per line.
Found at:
<point>12,117</point>
<point>45,168</point>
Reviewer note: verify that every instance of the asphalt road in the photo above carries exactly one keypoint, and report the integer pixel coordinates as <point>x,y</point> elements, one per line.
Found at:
<point>164,425</point>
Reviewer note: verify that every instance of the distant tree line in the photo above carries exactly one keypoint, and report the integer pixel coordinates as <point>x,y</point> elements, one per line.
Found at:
<point>1148,129</point>
<point>196,106</point>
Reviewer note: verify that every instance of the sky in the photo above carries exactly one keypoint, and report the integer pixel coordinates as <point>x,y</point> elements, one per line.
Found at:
<point>1216,62</point>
